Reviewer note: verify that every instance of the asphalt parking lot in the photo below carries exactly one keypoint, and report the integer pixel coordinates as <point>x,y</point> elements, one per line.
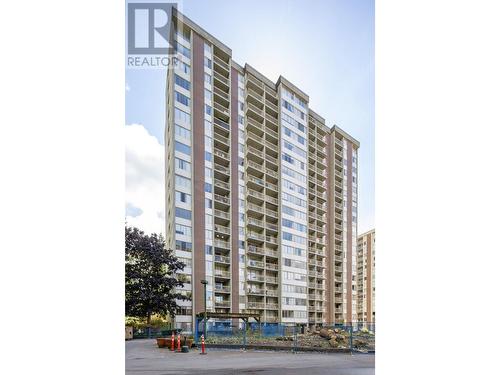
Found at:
<point>144,357</point>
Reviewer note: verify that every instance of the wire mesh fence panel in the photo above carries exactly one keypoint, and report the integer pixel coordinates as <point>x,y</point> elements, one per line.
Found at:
<point>352,336</point>
<point>363,336</point>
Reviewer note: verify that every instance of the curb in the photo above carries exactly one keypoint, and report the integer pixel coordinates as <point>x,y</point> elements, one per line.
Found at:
<point>276,348</point>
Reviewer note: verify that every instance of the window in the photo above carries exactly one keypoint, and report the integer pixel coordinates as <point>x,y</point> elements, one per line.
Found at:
<point>294,263</point>
<point>208,250</point>
<point>181,197</point>
<point>181,49</point>
<point>290,250</point>
<point>208,78</point>
<point>208,110</point>
<point>182,213</point>
<point>182,82</point>
<point>183,165</point>
<point>183,67</point>
<point>181,116</point>
<point>208,156</point>
<point>182,229</point>
<point>292,237</point>
<point>182,132</point>
<point>182,181</point>
<point>241,92</point>
<point>208,63</point>
<point>181,147</point>
<point>208,127</point>
<point>208,187</point>
<point>290,211</point>
<point>208,203</point>
<point>208,172</point>
<point>183,99</point>
<point>208,95</point>
<point>182,245</point>
<point>207,48</point>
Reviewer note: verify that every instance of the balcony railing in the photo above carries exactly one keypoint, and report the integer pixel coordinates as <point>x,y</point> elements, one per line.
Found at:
<point>222,259</point>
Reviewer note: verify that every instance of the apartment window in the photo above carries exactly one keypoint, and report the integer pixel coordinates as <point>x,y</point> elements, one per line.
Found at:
<point>181,116</point>
<point>182,213</point>
<point>208,203</point>
<point>183,99</point>
<point>208,187</point>
<point>181,197</point>
<point>241,119</point>
<point>182,181</point>
<point>181,147</point>
<point>181,49</point>
<point>182,82</point>
<point>241,92</point>
<point>208,127</point>
<point>293,238</point>
<point>241,79</point>
<point>207,48</point>
<point>208,156</point>
<point>294,263</point>
<point>182,229</point>
<point>183,67</point>
<point>208,250</point>
<point>208,63</point>
<point>208,142</point>
<point>182,245</point>
<point>208,110</point>
<point>208,172</point>
<point>208,78</point>
<point>208,95</point>
<point>182,132</point>
<point>183,165</point>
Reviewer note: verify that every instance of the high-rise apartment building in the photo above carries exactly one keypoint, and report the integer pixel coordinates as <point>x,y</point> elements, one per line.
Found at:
<point>260,193</point>
<point>366,277</point>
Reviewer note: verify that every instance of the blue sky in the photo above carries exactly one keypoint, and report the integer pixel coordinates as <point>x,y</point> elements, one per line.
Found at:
<point>326,48</point>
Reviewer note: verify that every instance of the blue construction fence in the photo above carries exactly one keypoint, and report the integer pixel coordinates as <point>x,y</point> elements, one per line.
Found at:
<point>351,336</point>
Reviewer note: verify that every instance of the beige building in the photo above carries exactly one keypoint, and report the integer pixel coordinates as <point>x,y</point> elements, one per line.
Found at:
<point>366,277</point>
<point>261,194</point>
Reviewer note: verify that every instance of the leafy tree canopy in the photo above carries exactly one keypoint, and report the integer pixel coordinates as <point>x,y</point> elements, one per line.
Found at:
<point>150,275</point>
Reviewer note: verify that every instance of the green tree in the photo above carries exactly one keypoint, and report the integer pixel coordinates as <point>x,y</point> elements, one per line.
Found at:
<point>150,279</point>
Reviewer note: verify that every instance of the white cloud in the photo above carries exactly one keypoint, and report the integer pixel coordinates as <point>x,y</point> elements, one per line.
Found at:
<point>144,180</point>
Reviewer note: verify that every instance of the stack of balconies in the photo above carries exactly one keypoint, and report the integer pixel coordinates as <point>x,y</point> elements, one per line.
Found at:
<point>317,202</point>
<point>222,180</point>
<point>262,192</point>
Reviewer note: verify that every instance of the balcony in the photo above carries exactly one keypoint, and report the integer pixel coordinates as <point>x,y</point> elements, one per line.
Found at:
<point>222,244</point>
<point>222,273</point>
<point>255,222</point>
<point>271,253</point>
<point>255,264</point>
<point>271,280</point>
<point>256,236</point>
<point>272,266</point>
<point>222,288</point>
<point>222,199</point>
<point>255,305</point>
<point>272,306</point>
<point>255,250</point>
<point>224,304</point>
<point>222,214</point>
<point>255,291</point>
<point>256,278</point>
<point>221,259</point>
<point>272,293</point>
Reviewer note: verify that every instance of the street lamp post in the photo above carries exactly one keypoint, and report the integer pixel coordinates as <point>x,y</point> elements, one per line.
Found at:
<point>205,282</point>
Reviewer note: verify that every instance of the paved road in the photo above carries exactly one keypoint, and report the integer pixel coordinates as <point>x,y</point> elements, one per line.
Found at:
<point>144,357</point>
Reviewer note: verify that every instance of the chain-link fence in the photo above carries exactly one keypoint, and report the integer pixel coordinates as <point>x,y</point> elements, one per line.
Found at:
<point>284,336</point>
